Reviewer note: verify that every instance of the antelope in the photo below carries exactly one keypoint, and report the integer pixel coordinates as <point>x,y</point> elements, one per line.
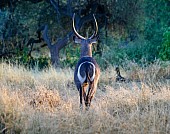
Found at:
<point>87,71</point>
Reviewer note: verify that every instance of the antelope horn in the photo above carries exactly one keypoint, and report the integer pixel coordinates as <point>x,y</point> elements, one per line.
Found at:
<point>96,31</point>
<point>74,29</point>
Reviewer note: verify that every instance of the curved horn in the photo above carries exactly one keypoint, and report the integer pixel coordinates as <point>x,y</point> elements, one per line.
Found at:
<point>74,29</point>
<point>96,31</point>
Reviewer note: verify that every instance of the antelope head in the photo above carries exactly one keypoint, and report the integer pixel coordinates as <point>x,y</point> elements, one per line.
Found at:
<point>86,43</point>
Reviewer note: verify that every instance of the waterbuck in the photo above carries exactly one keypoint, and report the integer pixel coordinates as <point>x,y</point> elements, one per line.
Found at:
<point>87,71</point>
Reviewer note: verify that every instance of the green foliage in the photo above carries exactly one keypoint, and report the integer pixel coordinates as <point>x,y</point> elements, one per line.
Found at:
<point>27,60</point>
<point>4,17</point>
<point>42,62</point>
<point>115,53</point>
<point>164,53</point>
<point>139,50</point>
<point>125,13</point>
<point>70,55</point>
<point>146,47</point>
<point>149,18</point>
<point>157,18</point>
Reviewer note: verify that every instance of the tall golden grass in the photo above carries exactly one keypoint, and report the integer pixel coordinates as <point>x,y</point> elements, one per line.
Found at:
<point>47,101</point>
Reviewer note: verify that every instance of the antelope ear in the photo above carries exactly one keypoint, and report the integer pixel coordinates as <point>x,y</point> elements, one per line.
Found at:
<point>76,39</point>
<point>94,40</point>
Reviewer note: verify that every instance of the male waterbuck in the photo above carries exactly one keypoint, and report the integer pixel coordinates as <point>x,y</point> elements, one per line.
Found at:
<point>87,71</point>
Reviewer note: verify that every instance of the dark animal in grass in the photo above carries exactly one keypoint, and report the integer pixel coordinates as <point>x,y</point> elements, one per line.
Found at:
<point>119,78</point>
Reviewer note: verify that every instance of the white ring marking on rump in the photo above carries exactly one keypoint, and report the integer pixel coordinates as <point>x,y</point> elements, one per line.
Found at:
<point>81,79</point>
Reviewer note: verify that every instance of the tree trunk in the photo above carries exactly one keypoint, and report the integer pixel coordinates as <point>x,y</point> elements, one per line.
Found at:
<point>55,48</point>
<point>54,51</point>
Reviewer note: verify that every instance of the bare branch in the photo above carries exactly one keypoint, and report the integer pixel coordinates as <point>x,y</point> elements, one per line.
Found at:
<point>69,9</point>
<point>55,5</point>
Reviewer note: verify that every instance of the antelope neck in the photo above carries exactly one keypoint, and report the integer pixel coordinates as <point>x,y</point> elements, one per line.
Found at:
<point>86,51</point>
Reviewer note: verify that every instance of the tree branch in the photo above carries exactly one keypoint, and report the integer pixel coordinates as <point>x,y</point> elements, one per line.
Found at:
<point>55,5</point>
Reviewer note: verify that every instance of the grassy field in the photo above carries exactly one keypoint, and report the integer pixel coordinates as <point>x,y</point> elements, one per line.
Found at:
<point>47,101</point>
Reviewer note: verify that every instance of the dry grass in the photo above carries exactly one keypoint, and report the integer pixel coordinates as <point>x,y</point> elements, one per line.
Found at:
<point>48,102</point>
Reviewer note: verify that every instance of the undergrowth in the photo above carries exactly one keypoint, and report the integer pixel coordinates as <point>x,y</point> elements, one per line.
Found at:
<point>47,101</point>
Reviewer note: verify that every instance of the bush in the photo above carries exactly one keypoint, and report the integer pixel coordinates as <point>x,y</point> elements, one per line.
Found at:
<point>164,53</point>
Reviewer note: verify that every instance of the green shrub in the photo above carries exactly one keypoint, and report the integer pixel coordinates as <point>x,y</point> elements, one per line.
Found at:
<point>164,53</point>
